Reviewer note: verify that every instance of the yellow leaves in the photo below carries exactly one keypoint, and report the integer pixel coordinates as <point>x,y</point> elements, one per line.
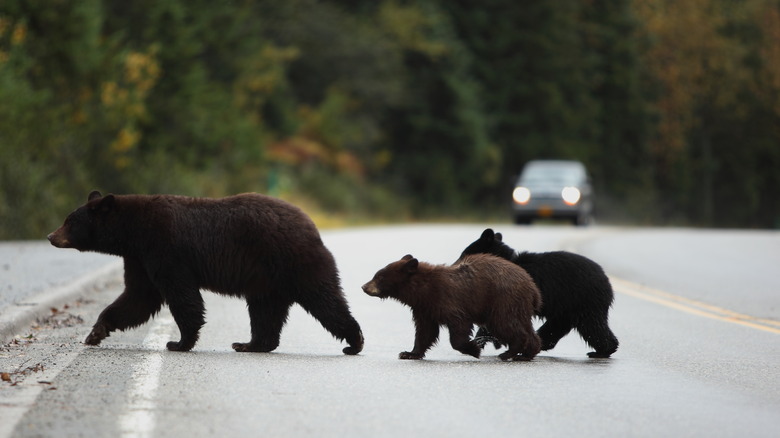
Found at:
<point>693,61</point>
<point>18,32</point>
<point>297,150</point>
<point>18,35</point>
<point>264,73</point>
<point>124,97</point>
<point>125,140</point>
<point>141,70</point>
<point>127,93</point>
<point>411,27</point>
<point>110,94</point>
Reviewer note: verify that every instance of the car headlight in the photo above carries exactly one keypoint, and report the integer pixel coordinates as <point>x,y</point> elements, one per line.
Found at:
<point>521,195</point>
<point>571,195</point>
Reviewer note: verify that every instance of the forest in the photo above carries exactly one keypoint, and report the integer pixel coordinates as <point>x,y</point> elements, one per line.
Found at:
<point>392,110</point>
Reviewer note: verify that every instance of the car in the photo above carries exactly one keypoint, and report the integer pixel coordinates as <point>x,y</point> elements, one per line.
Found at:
<point>554,189</point>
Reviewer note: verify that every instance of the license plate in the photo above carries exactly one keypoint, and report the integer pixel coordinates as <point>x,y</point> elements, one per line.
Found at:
<point>545,211</point>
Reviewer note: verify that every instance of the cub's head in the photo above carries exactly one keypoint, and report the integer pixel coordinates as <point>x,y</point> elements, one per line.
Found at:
<point>84,227</point>
<point>390,280</point>
<point>488,243</point>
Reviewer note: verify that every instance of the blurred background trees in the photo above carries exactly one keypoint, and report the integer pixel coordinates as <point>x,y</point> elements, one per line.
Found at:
<point>391,109</point>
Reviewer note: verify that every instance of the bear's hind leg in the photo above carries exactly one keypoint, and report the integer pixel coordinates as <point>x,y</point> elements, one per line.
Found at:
<point>595,332</point>
<point>328,306</point>
<point>524,343</point>
<point>267,318</point>
<point>483,336</point>
<point>460,339</point>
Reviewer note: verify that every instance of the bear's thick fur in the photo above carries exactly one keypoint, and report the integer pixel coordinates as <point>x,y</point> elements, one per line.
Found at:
<point>481,289</point>
<point>252,246</point>
<point>576,293</point>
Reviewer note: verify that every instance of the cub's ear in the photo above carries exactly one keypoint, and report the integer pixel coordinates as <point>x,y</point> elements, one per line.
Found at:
<point>487,234</point>
<point>499,237</point>
<point>104,204</point>
<point>411,265</point>
<point>93,195</point>
<point>407,257</point>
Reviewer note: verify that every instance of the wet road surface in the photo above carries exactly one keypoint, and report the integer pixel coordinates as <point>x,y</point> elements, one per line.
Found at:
<point>684,368</point>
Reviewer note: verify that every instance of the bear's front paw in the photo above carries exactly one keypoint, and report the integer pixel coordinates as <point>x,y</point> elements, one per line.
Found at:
<point>248,347</point>
<point>597,355</point>
<point>97,334</point>
<point>409,355</point>
<point>178,346</point>
<point>352,350</point>
<point>471,349</point>
<point>506,356</point>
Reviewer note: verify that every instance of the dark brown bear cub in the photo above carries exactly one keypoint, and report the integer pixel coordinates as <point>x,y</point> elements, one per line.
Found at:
<point>481,289</point>
<point>253,246</point>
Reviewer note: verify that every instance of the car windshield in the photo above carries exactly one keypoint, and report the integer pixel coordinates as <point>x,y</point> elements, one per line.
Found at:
<point>563,174</point>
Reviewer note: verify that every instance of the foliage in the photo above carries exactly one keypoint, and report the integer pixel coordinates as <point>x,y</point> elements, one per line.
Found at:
<point>391,109</point>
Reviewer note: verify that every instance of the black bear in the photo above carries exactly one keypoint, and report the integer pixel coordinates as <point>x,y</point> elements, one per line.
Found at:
<point>482,289</point>
<point>253,246</point>
<point>576,293</point>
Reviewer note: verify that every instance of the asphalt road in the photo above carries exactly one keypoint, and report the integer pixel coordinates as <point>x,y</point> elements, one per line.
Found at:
<point>697,314</point>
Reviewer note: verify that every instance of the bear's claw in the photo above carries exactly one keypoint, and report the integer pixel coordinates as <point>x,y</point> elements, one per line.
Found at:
<point>597,355</point>
<point>179,346</point>
<point>248,347</point>
<point>352,350</point>
<point>97,334</point>
<point>409,355</point>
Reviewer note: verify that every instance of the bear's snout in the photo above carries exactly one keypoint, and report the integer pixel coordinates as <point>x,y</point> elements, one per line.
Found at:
<point>371,289</point>
<point>56,239</point>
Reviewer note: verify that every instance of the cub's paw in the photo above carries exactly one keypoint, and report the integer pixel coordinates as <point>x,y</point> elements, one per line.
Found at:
<point>178,346</point>
<point>507,356</point>
<point>482,341</point>
<point>597,355</point>
<point>352,350</point>
<point>97,334</point>
<point>472,349</point>
<point>409,355</point>
<point>248,347</point>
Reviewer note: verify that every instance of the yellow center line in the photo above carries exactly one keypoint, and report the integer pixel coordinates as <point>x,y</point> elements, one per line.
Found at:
<point>692,306</point>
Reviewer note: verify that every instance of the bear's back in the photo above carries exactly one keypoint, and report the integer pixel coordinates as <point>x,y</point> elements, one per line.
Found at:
<point>245,219</point>
<point>567,281</point>
<point>486,282</point>
<point>237,240</point>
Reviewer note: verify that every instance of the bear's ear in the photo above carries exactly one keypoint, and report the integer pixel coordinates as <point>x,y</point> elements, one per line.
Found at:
<point>93,195</point>
<point>499,237</point>
<point>411,265</point>
<point>407,257</point>
<point>104,204</point>
<point>487,234</point>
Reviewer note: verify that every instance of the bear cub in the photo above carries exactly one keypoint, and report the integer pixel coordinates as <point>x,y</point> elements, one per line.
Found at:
<point>576,293</point>
<point>252,246</point>
<point>481,289</point>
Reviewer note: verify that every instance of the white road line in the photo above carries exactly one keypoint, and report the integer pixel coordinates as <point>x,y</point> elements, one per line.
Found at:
<point>138,417</point>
